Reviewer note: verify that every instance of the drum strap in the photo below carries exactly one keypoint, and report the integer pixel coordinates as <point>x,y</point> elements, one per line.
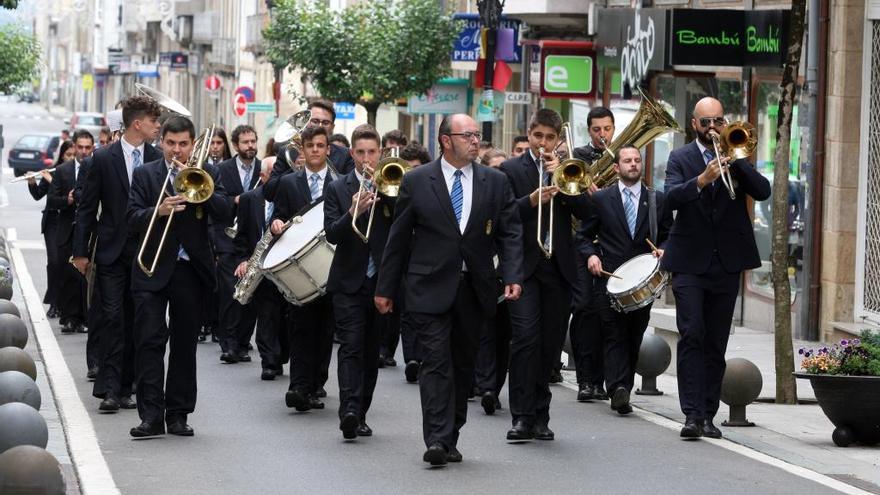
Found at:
<point>652,214</point>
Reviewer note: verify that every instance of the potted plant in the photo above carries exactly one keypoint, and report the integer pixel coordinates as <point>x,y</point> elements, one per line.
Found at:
<point>846,380</point>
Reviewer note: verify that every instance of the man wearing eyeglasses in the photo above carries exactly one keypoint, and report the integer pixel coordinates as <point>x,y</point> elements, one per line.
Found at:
<point>323,115</point>
<point>710,244</point>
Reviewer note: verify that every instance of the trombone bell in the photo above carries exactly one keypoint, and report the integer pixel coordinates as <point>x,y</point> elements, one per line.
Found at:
<point>572,176</point>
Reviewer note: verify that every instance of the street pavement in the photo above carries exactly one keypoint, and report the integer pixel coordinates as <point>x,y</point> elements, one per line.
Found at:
<point>247,441</point>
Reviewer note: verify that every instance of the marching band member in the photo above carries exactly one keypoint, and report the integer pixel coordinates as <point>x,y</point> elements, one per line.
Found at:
<point>184,273</point>
<point>600,127</point>
<point>49,229</point>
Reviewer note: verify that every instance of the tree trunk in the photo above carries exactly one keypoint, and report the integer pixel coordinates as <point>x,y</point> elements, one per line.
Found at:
<point>786,388</point>
<point>372,107</point>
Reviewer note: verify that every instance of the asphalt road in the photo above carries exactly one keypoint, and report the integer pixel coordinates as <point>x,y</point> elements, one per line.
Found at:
<point>247,441</point>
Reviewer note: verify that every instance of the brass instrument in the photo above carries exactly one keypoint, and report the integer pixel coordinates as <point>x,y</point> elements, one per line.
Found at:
<point>253,275</point>
<point>231,232</point>
<point>31,175</point>
<point>572,176</point>
<point>192,182</point>
<point>289,132</point>
<point>649,122</point>
<point>163,100</point>
<point>386,177</point>
<point>738,140</point>
<point>548,250</point>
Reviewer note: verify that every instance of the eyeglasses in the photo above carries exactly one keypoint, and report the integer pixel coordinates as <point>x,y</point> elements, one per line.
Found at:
<point>468,135</point>
<point>718,121</point>
<point>322,123</point>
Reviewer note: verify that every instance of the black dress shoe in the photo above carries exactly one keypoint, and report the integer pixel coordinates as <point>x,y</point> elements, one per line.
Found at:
<point>228,357</point>
<point>498,403</point>
<point>619,398</point>
<point>692,429</point>
<point>146,430</point>
<point>488,402</point>
<point>52,313</point>
<point>126,402</point>
<point>454,455</point>
<point>543,432</point>
<point>214,338</point>
<point>203,337</point>
<point>92,373</point>
<point>411,371</point>
<point>180,429</point>
<point>624,410</point>
<point>250,346</point>
<point>585,392</point>
<point>364,430</point>
<point>321,392</point>
<point>435,455</point>
<point>381,363</point>
<point>520,431</point>
<point>268,374</point>
<point>390,362</point>
<point>82,329</point>
<point>599,392</point>
<point>68,328</point>
<point>244,357</point>
<point>710,430</point>
<point>349,425</point>
<point>315,403</point>
<point>556,376</point>
<point>297,400</point>
<point>109,404</point>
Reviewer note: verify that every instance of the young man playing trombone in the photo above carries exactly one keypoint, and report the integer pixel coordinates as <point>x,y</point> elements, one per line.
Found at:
<point>181,272</point>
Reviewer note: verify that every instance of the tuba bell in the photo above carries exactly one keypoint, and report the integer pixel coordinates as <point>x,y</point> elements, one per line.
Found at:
<point>289,132</point>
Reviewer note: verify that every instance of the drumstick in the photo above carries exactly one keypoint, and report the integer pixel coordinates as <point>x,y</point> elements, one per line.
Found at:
<point>607,274</point>
<point>653,247</point>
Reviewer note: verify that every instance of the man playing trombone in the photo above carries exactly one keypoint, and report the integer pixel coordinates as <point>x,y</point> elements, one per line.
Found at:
<point>180,276</point>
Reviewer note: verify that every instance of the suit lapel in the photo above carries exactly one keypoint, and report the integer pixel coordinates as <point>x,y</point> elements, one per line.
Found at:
<point>255,175</point>
<point>531,169</point>
<point>438,185</point>
<point>617,206</point>
<point>642,213</point>
<point>478,184</point>
<point>117,163</point>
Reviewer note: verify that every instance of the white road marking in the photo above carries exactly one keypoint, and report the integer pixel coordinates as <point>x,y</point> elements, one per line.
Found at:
<point>88,460</point>
<point>33,245</point>
<point>4,198</point>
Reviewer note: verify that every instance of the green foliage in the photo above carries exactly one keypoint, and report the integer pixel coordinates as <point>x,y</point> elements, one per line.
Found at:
<point>19,58</point>
<point>9,4</point>
<point>369,53</point>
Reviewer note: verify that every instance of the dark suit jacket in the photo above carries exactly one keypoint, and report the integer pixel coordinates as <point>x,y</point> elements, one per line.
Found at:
<point>349,266</point>
<point>523,175</point>
<point>106,185</point>
<point>38,190</point>
<point>608,222</point>
<point>425,230</point>
<point>293,194</point>
<point>64,181</point>
<point>587,153</point>
<point>251,219</point>
<point>339,157</point>
<point>709,220</point>
<point>187,229</point>
<point>228,170</point>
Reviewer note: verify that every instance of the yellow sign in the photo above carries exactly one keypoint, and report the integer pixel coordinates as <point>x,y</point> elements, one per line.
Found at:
<point>88,82</point>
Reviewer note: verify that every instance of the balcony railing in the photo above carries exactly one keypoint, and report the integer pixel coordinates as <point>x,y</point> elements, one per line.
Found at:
<point>223,52</point>
<point>254,34</point>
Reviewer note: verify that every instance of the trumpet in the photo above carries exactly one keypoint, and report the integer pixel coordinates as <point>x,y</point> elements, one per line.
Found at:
<point>31,175</point>
<point>386,177</point>
<point>738,140</point>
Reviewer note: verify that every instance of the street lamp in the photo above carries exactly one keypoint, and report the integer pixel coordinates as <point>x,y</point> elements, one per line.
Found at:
<point>490,17</point>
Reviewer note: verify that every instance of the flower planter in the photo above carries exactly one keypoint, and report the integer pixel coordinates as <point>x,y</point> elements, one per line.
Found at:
<point>852,403</point>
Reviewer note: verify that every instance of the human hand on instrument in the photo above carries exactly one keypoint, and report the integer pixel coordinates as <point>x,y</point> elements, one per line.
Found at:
<point>277,227</point>
<point>512,292</point>
<point>367,198</point>
<point>658,253</point>
<point>70,197</point>
<point>47,176</point>
<point>551,161</point>
<point>241,269</point>
<point>593,188</point>
<point>546,192</point>
<point>236,199</point>
<point>712,171</point>
<point>81,263</point>
<point>172,203</point>
<point>594,265</point>
<point>384,305</point>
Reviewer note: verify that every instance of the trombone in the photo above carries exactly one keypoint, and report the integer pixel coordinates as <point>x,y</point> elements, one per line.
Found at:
<point>386,177</point>
<point>31,175</point>
<point>192,182</point>
<point>738,140</point>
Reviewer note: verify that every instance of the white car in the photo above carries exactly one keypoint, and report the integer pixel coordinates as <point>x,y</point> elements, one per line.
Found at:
<point>90,121</point>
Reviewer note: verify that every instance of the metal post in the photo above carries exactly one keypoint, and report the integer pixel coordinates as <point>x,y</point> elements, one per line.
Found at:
<point>490,17</point>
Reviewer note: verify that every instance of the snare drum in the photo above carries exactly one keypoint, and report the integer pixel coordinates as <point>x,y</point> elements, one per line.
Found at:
<point>640,282</point>
<point>298,262</point>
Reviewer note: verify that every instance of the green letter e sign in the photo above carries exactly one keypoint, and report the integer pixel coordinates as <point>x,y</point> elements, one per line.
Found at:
<point>568,74</point>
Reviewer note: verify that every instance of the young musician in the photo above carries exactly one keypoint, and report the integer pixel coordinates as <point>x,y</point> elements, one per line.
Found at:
<point>600,126</point>
<point>184,274</point>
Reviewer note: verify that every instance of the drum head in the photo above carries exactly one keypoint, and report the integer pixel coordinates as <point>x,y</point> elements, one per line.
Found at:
<point>632,273</point>
<point>296,237</point>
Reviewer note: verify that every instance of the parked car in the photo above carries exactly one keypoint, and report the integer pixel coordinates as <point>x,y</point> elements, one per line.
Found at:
<point>90,121</point>
<point>33,152</point>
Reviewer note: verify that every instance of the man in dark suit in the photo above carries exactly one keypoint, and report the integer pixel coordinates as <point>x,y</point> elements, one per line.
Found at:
<point>539,318</point>
<point>323,115</point>
<point>452,216</point>
<point>183,274</point>
<point>709,246</point>
<point>600,126</point>
<point>622,222</point>
<point>311,329</point>
<point>238,175</point>
<point>71,289</point>
<point>352,279</point>
<point>107,187</point>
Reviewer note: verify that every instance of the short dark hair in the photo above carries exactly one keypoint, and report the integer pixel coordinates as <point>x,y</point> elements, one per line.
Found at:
<point>310,132</point>
<point>445,129</point>
<point>547,117</point>
<point>82,133</point>
<point>364,131</point>
<point>242,129</point>
<point>65,131</point>
<point>599,112</point>
<point>396,135</point>
<point>137,107</point>
<point>325,105</point>
<point>106,130</point>
<point>270,150</point>
<point>341,138</point>
<point>415,151</point>
<point>178,123</point>
<point>520,139</point>
<point>627,146</point>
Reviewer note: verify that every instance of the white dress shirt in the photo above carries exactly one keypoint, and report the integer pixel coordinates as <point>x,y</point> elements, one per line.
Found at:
<point>127,148</point>
<point>322,174</point>
<point>635,189</point>
<point>467,188</point>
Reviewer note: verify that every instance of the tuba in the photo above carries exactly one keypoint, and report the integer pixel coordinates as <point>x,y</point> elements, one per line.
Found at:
<point>289,132</point>
<point>387,177</point>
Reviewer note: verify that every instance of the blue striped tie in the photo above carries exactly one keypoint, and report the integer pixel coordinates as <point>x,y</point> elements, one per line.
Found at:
<point>313,186</point>
<point>709,156</point>
<point>629,208</point>
<point>457,196</point>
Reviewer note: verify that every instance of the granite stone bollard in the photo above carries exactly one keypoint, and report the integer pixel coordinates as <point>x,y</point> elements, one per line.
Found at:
<point>31,469</point>
<point>740,387</point>
<point>22,425</point>
<point>9,308</point>
<point>15,359</point>
<point>13,331</point>
<point>15,386</point>
<point>654,358</point>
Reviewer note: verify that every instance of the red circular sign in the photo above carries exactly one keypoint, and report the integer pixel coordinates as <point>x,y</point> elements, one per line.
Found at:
<point>212,83</point>
<point>239,105</point>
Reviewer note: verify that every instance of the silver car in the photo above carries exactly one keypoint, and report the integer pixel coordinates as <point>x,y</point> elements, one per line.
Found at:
<point>90,121</point>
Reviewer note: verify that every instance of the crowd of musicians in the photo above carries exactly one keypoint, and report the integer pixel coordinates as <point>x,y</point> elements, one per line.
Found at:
<point>454,267</point>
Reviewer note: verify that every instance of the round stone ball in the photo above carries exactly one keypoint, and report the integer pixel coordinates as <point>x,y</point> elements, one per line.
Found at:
<point>22,425</point>
<point>13,331</point>
<point>4,259</point>
<point>5,291</point>
<point>742,382</point>
<point>30,469</point>
<point>15,359</point>
<point>9,308</point>
<point>15,386</point>
<point>654,356</point>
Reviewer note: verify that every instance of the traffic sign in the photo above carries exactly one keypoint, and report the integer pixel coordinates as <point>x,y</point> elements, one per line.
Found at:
<point>212,83</point>
<point>239,105</point>
<point>88,82</point>
<point>344,110</point>
<point>247,91</point>
<point>261,107</point>
<point>514,98</point>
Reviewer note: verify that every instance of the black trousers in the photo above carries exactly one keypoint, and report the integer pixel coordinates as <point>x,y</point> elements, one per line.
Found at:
<point>448,343</point>
<point>53,267</point>
<point>116,367</point>
<point>71,287</point>
<point>585,333</point>
<point>538,320</point>
<point>390,327</point>
<point>358,330</point>
<point>704,310</point>
<point>244,328</point>
<point>408,338</point>
<point>171,399</point>
<point>272,323</point>
<point>97,326</point>
<point>311,344</point>
<point>622,334</point>
<point>229,309</point>
<point>494,354</point>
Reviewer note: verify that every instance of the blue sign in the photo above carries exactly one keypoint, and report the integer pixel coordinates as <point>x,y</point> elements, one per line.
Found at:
<point>344,111</point>
<point>467,46</point>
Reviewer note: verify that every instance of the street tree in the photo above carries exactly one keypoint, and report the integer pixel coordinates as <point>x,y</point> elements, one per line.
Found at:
<point>786,388</point>
<point>369,53</point>
<point>19,58</point>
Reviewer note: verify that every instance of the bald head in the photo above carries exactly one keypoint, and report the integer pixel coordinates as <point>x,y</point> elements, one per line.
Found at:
<point>708,107</point>
<point>459,139</point>
<point>708,118</point>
